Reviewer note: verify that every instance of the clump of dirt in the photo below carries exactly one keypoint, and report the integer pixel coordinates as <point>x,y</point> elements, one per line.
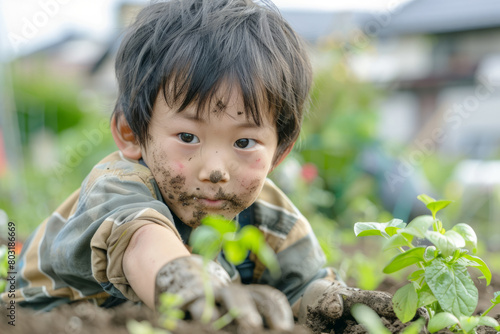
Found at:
<point>347,325</point>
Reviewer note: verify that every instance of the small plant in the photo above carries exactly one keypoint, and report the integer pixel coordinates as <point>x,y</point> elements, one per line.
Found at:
<point>169,310</point>
<point>441,283</point>
<point>367,317</point>
<point>217,233</point>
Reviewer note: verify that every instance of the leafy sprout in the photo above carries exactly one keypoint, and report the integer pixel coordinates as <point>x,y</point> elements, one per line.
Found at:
<point>218,233</point>
<point>441,282</point>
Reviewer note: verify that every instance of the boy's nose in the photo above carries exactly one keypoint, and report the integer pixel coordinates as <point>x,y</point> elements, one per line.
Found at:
<point>214,175</point>
<point>214,170</point>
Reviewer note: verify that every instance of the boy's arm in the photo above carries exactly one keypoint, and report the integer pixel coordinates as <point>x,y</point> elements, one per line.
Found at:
<point>156,261</point>
<point>151,247</point>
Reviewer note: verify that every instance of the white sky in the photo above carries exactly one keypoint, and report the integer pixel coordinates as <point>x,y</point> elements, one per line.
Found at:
<point>25,24</point>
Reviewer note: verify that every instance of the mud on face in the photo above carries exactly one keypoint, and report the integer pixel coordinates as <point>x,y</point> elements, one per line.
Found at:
<point>183,199</point>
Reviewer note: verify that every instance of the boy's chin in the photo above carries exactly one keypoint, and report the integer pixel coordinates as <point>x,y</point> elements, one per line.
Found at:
<point>196,221</point>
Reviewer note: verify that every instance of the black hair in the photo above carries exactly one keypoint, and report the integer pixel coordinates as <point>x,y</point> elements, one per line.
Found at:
<point>190,48</point>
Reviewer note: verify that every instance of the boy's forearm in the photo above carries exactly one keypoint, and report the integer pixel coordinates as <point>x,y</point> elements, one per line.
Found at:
<point>149,249</point>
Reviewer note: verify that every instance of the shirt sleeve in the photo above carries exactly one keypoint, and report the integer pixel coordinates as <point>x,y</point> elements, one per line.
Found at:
<point>88,252</point>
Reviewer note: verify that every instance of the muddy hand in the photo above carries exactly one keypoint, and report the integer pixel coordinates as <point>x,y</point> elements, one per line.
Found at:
<point>254,304</point>
<point>325,301</point>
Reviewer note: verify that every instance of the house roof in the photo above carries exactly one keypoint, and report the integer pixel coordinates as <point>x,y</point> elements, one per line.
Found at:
<point>314,24</point>
<point>441,16</point>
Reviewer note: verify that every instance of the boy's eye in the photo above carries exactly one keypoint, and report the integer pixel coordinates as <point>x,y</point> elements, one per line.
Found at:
<point>188,138</point>
<point>245,143</point>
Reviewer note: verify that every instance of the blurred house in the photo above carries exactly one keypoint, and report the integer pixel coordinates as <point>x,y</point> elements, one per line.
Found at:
<point>442,60</point>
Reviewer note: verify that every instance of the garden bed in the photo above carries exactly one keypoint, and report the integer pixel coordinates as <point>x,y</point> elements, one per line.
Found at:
<point>83,318</point>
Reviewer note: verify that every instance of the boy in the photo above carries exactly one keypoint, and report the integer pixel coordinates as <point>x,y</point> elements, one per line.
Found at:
<point>210,101</point>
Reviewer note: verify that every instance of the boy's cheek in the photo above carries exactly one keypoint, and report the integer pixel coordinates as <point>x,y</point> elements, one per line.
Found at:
<point>251,185</point>
<point>258,164</point>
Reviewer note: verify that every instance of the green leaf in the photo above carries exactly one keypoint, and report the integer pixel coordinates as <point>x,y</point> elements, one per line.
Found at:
<point>418,226</point>
<point>425,296</point>
<point>453,287</point>
<point>416,275</point>
<point>405,302</point>
<point>170,300</point>
<point>440,321</point>
<point>436,206</point>
<point>253,238</point>
<point>383,229</point>
<point>234,251</point>
<point>206,241</point>
<point>221,224</point>
<point>469,323</point>
<point>415,327</point>
<point>433,205</point>
<point>144,327</point>
<point>405,259</point>
<point>367,317</point>
<point>430,253</point>
<point>478,263</point>
<point>425,199</point>
<point>488,321</point>
<point>446,243</point>
<point>496,298</point>
<point>468,234</point>
<point>397,240</point>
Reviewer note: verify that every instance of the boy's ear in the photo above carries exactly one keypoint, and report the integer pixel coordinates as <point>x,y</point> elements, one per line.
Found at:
<point>124,138</point>
<point>282,156</point>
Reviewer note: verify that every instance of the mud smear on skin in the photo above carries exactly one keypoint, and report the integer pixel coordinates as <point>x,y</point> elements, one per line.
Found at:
<point>174,190</point>
<point>216,176</point>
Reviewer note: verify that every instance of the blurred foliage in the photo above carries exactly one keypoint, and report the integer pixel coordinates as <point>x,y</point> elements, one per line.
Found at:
<point>62,140</point>
<point>64,136</point>
<point>342,123</point>
<point>44,102</point>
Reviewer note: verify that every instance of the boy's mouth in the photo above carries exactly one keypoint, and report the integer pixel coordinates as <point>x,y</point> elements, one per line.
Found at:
<point>207,202</point>
<point>215,201</point>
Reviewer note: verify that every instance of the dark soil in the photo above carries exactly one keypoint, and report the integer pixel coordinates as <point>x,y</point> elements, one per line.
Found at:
<point>86,318</point>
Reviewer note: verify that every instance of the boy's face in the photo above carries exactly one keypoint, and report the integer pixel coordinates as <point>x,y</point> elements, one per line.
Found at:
<point>213,165</point>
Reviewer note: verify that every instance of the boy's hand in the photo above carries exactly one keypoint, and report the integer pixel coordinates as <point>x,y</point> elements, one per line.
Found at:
<point>185,277</point>
<point>325,301</point>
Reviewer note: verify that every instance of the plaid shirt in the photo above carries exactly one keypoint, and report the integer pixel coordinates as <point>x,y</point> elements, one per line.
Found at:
<point>77,252</point>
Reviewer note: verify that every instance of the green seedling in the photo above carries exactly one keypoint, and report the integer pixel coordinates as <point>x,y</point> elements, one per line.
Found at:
<point>144,327</point>
<point>367,317</point>
<point>217,233</point>
<point>441,282</point>
<point>170,311</point>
